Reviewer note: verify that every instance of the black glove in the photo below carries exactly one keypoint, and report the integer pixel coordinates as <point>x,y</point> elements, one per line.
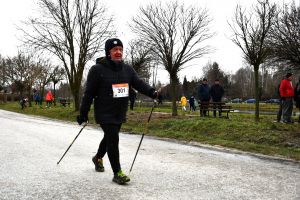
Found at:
<point>155,95</point>
<point>82,118</point>
<point>152,93</point>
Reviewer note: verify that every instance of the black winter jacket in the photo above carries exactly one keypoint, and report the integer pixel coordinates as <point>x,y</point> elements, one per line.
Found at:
<point>101,77</point>
<point>203,92</point>
<point>216,92</point>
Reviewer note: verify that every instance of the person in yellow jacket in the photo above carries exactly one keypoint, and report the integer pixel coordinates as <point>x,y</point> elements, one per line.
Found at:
<point>183,102</point>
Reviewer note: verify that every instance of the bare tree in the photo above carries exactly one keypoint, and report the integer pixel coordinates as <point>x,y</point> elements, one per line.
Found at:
<point>56,75</point>
<point>243,83</point>
<point>3,77</point>
<point>31,76</point>
<point>212,71</point>
<point>251,30</point>
<point>71,30</point>
<point>44,69</point>
<point>139,57</point>
<point>285,40</point>
<point>21,70</point>
<point>176,35</point>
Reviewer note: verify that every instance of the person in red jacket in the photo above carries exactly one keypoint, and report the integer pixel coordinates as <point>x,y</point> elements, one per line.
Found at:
<point>287,93</point>
<point>49,98</point>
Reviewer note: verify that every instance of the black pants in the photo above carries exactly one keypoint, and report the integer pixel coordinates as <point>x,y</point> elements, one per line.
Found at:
<point>192,107</point>
<point>110,144</point>
<point>287,108</point>
<point>279,113</point>
<point>204,108</point>
<point>217,106</point>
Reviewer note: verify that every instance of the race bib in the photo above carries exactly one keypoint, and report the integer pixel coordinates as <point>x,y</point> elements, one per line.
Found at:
<point>120,90</point>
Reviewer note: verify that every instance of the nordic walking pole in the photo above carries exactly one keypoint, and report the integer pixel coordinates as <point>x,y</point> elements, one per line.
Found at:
<point>72,142</point>
<point>142,136</point>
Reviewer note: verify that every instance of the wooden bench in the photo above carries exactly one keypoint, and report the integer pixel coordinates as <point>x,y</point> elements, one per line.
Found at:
<point>64,102</point>
<point>215,106</point>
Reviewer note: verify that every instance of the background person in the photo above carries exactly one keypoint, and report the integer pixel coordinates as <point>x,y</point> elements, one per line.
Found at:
<point>216,93</point>
<point>287,93</point>
<point>36,98</point>
<point>49,98</point>
<point>204,97</point>
<point>192,103</point>
<point>183,102</point>
<point>23,103</point>
<point>107,85</point>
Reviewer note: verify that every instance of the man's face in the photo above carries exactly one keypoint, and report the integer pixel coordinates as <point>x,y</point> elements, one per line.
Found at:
<point>116,53</point>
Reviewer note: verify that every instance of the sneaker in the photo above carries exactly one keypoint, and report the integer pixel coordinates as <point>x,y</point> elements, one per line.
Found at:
<point>121,178</point>
<point>98,162</point>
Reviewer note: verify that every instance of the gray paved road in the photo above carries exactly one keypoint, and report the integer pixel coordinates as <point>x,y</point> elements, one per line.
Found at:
<point>30,148</point>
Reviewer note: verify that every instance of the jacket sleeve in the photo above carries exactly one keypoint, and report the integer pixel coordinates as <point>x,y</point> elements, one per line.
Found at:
<point>89,92</point>
<point>281,88</point>
<point>141,85</point>
<point>200,91</point>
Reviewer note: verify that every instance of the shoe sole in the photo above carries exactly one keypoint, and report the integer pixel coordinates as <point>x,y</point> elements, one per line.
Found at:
<point>99,170</point>
<point>119,182</point>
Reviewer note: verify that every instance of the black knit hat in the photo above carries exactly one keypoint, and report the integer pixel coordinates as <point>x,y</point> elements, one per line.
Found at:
<point>111,43</point>
<point>289,75</point>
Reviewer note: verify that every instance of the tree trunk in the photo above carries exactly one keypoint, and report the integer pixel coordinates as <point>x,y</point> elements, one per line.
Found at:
<point>5,97</point>
<point>173,84</point>
<point>76,101</point>
<point>42,91</point>
<point>256,93</point>
<point>75,92</point>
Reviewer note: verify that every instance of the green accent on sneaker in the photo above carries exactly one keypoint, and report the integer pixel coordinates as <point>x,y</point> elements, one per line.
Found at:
<point>121,178</point>
<point>98,162</point>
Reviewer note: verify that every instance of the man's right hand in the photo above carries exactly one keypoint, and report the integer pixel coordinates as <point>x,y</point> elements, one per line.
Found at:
<point>82,118</point>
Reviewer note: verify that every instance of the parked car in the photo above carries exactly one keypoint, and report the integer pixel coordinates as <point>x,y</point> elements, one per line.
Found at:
<point>277,101</point>
<point>237,100</point>
<point>250,101</point>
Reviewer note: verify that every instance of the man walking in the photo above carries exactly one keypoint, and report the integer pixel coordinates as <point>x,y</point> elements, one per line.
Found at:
<point>107,86</point>
<point>287,93</point>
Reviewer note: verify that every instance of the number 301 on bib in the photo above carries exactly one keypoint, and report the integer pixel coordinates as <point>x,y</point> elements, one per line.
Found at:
<point>120,90</point>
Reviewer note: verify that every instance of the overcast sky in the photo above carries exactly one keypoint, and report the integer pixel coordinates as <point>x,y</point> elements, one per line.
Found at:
<point>226,54</point>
